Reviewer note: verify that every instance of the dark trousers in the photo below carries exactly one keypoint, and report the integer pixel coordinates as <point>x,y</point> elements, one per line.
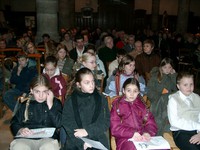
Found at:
<point>181,138</point>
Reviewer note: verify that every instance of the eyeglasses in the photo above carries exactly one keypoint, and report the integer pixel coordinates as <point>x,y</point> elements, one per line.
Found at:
<point>30,47</point>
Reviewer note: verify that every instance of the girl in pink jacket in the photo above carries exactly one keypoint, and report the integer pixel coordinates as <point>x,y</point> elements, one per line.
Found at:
<point>130,118</point>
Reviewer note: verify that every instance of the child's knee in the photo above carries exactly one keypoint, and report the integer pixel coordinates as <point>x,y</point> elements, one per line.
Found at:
<point>51,145</point>
<point>17,144</point>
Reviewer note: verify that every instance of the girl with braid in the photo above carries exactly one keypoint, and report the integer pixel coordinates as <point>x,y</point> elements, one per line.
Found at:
<point>40,109</point>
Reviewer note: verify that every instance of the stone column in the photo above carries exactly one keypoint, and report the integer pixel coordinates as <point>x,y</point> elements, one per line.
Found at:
<point>183,14</point>
<point>47,19</point>
<point>66,13</point>
<point>155,14</point>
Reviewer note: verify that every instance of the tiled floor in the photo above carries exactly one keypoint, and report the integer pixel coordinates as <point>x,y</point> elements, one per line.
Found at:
<point>5,134</point>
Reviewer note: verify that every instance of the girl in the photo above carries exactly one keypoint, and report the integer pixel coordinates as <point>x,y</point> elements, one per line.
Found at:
<point>125,70</point>
<point>85,113</point>
<point>65,64</point>
<point>39,110</point>
<point>183,113</point>
<point>53,74</point>
<point>130,118</point>
<point>161,84</point>
<point>88,60</point>
<point>67,41</point>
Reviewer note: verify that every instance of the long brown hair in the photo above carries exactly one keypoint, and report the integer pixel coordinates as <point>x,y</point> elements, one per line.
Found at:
<point>127,59</point>
<point>164,62</point>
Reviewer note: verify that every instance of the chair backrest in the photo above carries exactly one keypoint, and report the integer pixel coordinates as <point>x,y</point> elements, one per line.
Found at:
<point>37,58</point>
<point>101,78</point>
<point>41,50</point>
<point>11,52</point>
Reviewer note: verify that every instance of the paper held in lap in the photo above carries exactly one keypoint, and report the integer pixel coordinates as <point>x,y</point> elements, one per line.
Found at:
<point>94,144</point>
<point>156,142</point>
<point>40,133</point>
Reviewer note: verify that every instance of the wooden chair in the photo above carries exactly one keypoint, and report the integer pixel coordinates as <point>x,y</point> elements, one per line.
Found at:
<point>184,65</point>
<point>11,52</point>
<point>196,73</point>
<point>37,58</point>
<point>168,136</point>
<point>112,138</point>
<point>101,78</point>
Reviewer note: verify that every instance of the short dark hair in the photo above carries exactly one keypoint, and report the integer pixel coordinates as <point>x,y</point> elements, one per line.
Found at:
<point>45,35</point>
<point>22,54</point>
<point>78,37</point>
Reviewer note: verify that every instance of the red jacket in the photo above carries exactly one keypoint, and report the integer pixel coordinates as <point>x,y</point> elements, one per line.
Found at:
<point>128,118</point>
<point>58,85</point>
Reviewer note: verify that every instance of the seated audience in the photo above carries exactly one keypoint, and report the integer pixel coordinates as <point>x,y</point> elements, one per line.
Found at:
<point>137,49</point>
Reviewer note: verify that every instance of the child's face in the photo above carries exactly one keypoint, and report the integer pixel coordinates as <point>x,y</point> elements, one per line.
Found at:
<point>166,69</point>
<point>186,85</point>
<point>87,85</point>
<point>131,92</point>
<point>129,68</point>
<point>61,54</point>
<point>50,69</point>
<point>90,63</point>
<point>148,48</point>
<point>23,61</point>
<point>40,93</point>
<point>31,49</point>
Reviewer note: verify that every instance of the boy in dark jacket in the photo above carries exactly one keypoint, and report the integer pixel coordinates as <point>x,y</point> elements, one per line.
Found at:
<point>21,77</point>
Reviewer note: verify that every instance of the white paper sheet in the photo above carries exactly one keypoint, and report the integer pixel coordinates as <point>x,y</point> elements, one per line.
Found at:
<point>156,142</point>
<point>95,144</point>
<point>40,133</point>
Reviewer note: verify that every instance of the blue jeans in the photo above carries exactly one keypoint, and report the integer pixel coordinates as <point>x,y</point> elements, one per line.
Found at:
<point>10,98</point>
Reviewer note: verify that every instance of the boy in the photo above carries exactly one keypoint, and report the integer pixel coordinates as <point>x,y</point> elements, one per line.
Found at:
<point>147,60</point>
<point>21,77</point>
<point>184,113</point>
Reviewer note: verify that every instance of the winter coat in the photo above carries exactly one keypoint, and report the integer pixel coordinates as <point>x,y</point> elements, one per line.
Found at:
<point>158,100</point>
<point>89,112</point>
<point>128,118</point>
<point>58,84</point>
<point>22,82</point>
<point>39,116</point>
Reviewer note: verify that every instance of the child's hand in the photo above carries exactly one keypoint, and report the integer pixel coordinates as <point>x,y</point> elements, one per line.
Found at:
<point>195,139</point>
<point>86,145</point>
<point>25,132</point>
<point>173,71</point>
<point>146,136</point>
<point>50,97</point>
<point>80,133</point>
<point>137,137</point>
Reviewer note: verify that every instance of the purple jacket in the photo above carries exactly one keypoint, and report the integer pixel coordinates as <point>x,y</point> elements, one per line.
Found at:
<point>128,118</point>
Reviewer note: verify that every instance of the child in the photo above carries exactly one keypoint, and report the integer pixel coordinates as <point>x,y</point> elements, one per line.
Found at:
<point>65,64</point>
<point>130,118</point>
<point>40,110</point>
<point>147,60</point>
<point>125,70</point>
<point>21,77</point>
<point>184,115</point>
<point>53,74</point>
<point>85,113</point>
<point>100,66</point>
<point>161,84</point>
<point>88,60</point>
